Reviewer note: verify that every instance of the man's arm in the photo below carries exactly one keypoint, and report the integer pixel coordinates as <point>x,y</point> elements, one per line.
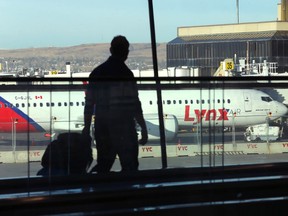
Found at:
<point>141,121</point>
<point>88,110</point>
<point>87,124</point>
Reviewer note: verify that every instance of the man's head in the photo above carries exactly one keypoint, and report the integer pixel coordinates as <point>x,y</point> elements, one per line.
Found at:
<point>120,47</point>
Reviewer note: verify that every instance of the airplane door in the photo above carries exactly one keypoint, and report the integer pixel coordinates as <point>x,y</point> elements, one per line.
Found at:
<point>247,102</point>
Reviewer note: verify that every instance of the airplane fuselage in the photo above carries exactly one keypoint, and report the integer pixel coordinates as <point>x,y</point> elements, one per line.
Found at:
<point>63,110</point>
<point>240,107</point>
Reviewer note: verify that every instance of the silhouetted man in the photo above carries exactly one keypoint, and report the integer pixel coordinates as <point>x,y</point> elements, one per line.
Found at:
<point>116,106</point>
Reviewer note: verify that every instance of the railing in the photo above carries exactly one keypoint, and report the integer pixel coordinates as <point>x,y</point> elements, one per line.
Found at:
<point>207,142</point>
<point>232,189</point>
<point>201,154</point>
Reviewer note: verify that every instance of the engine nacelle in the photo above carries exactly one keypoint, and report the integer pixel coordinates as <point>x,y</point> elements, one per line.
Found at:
<point>152,123</point>
<point>151,120</point>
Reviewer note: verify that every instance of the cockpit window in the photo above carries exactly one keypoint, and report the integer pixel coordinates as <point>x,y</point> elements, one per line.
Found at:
<point>265,98</point>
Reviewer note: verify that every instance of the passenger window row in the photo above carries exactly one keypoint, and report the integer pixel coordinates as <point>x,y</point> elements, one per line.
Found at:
<point>194,101</point>
<point>48,104</point>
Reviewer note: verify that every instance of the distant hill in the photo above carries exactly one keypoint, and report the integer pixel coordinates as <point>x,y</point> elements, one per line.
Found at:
<point>87,50</point>
<point>86,56</point>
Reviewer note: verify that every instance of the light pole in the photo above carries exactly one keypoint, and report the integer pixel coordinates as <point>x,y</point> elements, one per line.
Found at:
<point>14,136</point>
<point>233,130</point>
<point>7,67</point>
<point>237,8</point>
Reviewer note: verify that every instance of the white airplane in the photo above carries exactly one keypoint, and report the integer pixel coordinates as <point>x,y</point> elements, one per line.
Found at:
<point>217,107</point>
<point>62,110</point>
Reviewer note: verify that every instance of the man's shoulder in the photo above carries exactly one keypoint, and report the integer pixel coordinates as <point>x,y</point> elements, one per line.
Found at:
<point>98,70</point>
<point>112,67</point>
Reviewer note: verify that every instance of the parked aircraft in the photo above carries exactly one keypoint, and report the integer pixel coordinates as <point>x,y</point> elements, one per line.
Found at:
<point>63,110</point>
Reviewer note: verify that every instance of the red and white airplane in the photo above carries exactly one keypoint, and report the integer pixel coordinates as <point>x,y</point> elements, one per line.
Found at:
<point>52,111</point>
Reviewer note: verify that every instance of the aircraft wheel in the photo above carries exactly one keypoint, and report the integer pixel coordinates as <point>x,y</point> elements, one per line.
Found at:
<point>258,139</point>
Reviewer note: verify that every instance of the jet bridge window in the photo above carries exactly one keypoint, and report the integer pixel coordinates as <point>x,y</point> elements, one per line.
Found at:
<point>266,99</point>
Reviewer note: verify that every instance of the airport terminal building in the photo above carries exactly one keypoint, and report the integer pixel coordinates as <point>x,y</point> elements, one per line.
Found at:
<point>204,47</point>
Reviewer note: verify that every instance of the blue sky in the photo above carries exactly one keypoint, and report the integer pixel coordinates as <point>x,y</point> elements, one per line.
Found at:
<point>59,23</point>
